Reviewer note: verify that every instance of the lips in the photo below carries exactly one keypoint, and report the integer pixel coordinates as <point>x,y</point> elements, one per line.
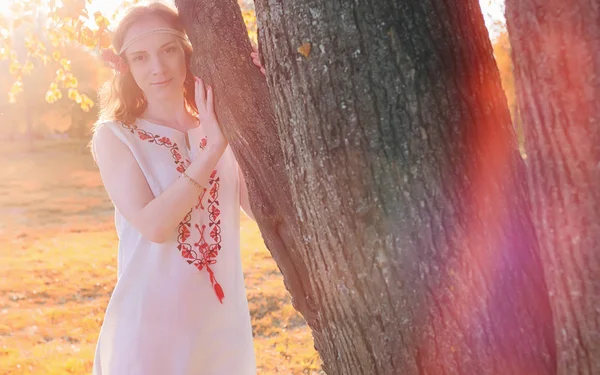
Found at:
<point>162,83</point>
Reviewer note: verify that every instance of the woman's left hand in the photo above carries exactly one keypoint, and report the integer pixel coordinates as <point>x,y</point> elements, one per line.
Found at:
<point>256,60</point>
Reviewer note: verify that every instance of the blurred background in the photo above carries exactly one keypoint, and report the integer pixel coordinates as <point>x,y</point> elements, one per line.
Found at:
<point>57,240</point>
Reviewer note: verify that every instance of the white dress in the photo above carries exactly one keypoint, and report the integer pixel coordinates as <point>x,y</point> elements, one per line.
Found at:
<point>179,307</point>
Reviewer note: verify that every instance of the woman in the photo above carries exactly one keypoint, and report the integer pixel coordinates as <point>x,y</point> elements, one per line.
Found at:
<point>179,305</point>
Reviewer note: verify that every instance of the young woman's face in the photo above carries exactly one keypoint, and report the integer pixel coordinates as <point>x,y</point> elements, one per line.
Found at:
<point>156,61</point>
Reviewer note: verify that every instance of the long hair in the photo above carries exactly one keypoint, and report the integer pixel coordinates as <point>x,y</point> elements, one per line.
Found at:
<point>121,99</point>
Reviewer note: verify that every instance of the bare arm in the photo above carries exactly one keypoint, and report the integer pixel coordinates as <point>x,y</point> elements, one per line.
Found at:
<point>156,218</point>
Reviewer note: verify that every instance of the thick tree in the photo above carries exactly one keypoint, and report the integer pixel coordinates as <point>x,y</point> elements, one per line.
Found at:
<point>556,53</point>
<point>386,180</point>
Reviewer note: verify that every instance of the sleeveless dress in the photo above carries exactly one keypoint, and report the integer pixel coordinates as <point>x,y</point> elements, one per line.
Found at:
<point>178,307</point>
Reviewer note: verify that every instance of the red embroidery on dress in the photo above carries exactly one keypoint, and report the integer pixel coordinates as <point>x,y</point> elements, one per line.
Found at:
<point>199,205</point>
<point>203,142</point>
<point>201,254</point>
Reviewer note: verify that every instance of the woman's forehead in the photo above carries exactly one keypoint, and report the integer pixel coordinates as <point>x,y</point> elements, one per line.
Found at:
<point>151,40</point>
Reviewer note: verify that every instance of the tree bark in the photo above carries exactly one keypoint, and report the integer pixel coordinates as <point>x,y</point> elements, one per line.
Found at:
<point>557,64</point>
<point>392,198</point>
<point>222,59</point>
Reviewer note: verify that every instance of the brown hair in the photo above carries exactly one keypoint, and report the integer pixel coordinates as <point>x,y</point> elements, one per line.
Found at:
<point>121,99</point>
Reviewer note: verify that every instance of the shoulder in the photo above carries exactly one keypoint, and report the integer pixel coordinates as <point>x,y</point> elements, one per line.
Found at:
<point>108,135</point>
<point>115,126</point>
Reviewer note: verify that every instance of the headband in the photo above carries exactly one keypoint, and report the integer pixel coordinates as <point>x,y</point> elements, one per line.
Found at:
<point>158,30</point>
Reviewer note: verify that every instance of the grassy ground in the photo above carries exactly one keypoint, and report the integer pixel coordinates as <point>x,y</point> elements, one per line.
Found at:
<point>58,265</point>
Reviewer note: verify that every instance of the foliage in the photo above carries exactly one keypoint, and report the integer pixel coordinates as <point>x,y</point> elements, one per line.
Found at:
<point>247,7</point>
<point>502,54</point>
<point>37,33</point>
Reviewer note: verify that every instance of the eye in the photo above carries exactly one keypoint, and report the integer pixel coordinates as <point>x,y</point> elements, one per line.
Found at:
<point>170,49</point>
<point>138,58</point>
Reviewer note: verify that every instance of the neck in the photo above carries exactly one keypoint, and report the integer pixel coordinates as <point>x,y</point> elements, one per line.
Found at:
<point>171,113</point>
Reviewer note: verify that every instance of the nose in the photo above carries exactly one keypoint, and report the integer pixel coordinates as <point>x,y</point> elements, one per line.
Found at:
<point>158,66</point>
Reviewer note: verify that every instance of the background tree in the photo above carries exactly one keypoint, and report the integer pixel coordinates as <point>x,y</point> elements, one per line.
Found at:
<point>557,64</point>
<point>409,248</point>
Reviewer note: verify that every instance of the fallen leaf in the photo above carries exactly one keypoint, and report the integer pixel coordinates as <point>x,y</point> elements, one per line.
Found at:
<point>304,49</point>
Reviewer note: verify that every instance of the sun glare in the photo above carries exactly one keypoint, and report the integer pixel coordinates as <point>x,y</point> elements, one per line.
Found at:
<point>493,12</point>
<point>106,7</point>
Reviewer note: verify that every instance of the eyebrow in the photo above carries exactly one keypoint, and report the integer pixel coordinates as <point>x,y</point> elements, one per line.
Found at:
<point>161,47</point>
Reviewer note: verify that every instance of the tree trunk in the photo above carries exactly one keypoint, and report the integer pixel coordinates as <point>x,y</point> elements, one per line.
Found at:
<point>222,58</point>
<point>401,210</point>
<point>557,64</point>
<point>29,126</point>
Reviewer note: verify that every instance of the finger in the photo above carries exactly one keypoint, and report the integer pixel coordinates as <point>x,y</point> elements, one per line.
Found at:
<point>201,92</point>
<point>262,70</point>
<point>210,100</point>
<point>197,89</point>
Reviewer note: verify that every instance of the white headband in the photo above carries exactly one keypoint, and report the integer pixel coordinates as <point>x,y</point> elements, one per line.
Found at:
<point>158,30</point>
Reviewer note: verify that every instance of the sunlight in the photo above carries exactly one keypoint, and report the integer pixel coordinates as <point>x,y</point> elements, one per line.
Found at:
<point>493,12</point>
<point>106,7</point>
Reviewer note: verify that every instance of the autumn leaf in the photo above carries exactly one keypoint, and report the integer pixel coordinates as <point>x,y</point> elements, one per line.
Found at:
<point>27,68</point>
<point>100,20</point>
<point>86,102</point>
<point>86,37</point>
<point>41,47</point>
<point>4,53</point>
<point>105,40</point>
<point>70,81</point>
<point>65,63</point>
<point>50,98</point>
<point>304,49</point>
<point>15,89</point>
<point>53,94</point>
<point>30,43</point>
<point>60,75</point>
<point>73,94</point>
<point>14,68</point>
<point>66,25</point>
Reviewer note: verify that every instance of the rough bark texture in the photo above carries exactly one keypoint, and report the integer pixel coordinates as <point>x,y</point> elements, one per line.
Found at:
<point>222,58</point>
<point>398,219</point>
<point>556,52</point>
<point>405,174</point>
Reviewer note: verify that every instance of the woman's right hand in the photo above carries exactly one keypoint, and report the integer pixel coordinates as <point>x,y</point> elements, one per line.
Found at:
<point>208,119</point>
